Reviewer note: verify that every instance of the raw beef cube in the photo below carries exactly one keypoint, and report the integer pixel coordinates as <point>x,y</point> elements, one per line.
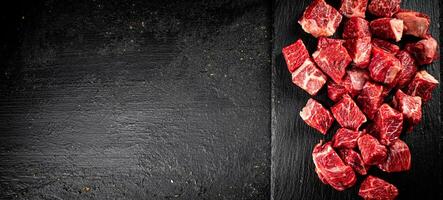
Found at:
<point>422,85</point>
<point>352,84</point>
<point>295,55</point>
<point>408,70</point>
<point>324,42</point>
<point>355,80</point>
<point>371,150</point>
<point>345,138</point>
<point>384,8</point>
<point>353,8</point>
<point>336,91</point>
<point>384,67</point>
<point>373,188</point>
<point>320,19</point>
<point>424,51</point>
<point>332,58</point>
<point>389,123</point>
<point>353,159</point>
<point>347,113</point>
<point>409,106</point>
<point>331,169</point>
<point>321,177</point>
<point>308,77</point>
<point>356,27</point>
<point>360,51</point>
<point>415,23</point>
<point>317,116</point>
<point>371,98</point>
<point>399,158</point>
<point>385,45</point>
<point>387,28</point>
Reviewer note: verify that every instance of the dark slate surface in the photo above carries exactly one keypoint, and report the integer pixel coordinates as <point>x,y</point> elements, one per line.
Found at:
<point>135,100</point>
<point>292,172</point>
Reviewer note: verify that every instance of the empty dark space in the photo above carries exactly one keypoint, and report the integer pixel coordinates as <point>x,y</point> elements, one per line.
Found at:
<point>135,100</point>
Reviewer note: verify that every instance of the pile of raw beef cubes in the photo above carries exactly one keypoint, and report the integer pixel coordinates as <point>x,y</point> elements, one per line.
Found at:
<point>378,88</point>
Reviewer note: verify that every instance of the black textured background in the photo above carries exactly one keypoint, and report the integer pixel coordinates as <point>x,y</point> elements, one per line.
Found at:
<point>135,99</point>
<point>293,175</point>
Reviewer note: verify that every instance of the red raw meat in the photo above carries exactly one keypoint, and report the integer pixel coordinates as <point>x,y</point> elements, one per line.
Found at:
<point>353,8</point>
<point>317,116</point>
<point>389,123</point>
<point>347,113</point>
<point>355,81</point>
<point>371,98</point>
<point>424,51</point>
<point>360,51</point>
<point>356,27</point>
<point>309,77</point>
<point>320,19</point>
<point>352,84</point>
<point>353,159</point>
<point>415,23</point>
<point>324,42</point>
<point>345,138</point>
<point>373,188</point>
<point>399,158</point>
<point>385,45</point>
<point>321,177</point>
<point>408,70</point>
<point>336,91</point>
<point>387,28</point>
<point>371,150</point>
<point>409,106</point>
<point>332,58</point>
<point>384,66</point>
<point>358,77</point>
<point>331,169</point>
<point>384,8</point>
<point>379,68</point>
<point>373,59</point>
<point>422,85</point>
<point>295,55</point>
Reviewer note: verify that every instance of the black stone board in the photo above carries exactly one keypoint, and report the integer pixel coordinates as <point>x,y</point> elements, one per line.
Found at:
<point>292,170</point>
